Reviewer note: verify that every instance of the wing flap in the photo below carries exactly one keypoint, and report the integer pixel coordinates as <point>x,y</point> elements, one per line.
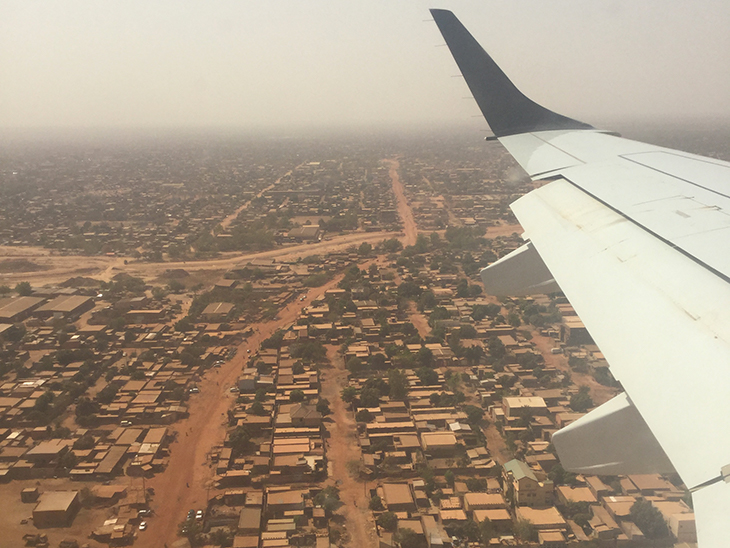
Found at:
<point>666,340</point>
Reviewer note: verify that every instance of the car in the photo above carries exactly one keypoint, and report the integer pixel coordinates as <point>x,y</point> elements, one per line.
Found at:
<point>191,513</point>
<point>142,525</point>
<point>199,515</point>
<point>125,423</point>
<point>194,390</point>
<point>234,388</point>
<point>248,351</point>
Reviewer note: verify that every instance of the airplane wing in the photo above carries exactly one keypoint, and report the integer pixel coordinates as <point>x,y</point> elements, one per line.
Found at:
<point>633,235</point>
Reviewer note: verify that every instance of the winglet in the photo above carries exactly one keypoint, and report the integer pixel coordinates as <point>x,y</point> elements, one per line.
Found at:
<point>506,109</point>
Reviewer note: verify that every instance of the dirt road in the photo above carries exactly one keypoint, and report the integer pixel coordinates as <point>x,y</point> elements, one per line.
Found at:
<point>58,268</point>
<point>186,481</point>
<point>419,320</point>
<point>404,210</point>
<point>342,447</point>
<point>599,393</point>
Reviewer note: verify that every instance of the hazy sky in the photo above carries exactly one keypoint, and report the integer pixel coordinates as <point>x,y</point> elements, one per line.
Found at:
<point>298,63</point>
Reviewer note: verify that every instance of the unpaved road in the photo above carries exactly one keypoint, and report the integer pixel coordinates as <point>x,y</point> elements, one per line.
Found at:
<point>342,447</point>
<point>185,482</point>
<point>599,393</point>
<point>59,268</point>
<point>404,210</point>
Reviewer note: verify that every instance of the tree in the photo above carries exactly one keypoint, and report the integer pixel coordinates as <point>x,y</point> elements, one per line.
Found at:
<point>365,249</point>
<point>425,356</point>
<point>348,394</point>
<point>398,384</point>
<point>375,503</point>
<point>582,401</point>
<point>559,476</point>
<point>183,325</point>
<point>649,519</point>
<point>370,397</point>
<point>24,289</point>
<point>323,407</point>
<point>328,498</point>
<point>85,442</point>
<point>388,521</point>
<point>408,538</point>
<point>296,396</point>
<point>449,477</point>
<point>525,530</point>
<point>86,407</point>
<point>427,376</point>
<point>474,414</point>
<point>363,416</point>
<point>354,365</point>
<point>240,441</point>
<point>257,408</point>
<point>107,394</point>
<point>221,537</point>
<point>496,348</point>
<point>68,460</point>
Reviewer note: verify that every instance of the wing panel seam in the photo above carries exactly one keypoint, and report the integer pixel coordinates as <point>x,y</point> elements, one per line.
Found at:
<point>662,239</point>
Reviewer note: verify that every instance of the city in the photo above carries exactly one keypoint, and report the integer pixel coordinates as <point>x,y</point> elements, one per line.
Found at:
<point>263,344</point>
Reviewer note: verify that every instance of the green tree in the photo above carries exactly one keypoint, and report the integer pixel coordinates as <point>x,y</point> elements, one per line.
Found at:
<point>24,289</point>
<point>363,415</point>
<point>375,503</point>
<point>427,376</point>
<point>525,530</point>
<point>582,401</point>
<point>425,357</point>
<point>449,477</point>
<point>370,397</point>
<point>296,396</point>
<point>348,394</point>
<point>388,521</point>
<point>398,384</point>
<point>408,538</point>
<point>68,460</point>
<point>649,519</point>
<point>323,406</point>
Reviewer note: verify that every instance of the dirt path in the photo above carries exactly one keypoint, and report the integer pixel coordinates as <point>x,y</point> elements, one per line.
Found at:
<point>342,447</point>
<point>186,482</point>
<point>419,320</point>
<point>225,223</point>
<point>503,230</point>
<point>599,393</point>
<point>404,210</point>
<point>496,445</point>
<point>58,268</point>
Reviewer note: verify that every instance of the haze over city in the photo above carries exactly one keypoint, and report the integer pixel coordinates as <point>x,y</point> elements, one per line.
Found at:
<point>290,64</point>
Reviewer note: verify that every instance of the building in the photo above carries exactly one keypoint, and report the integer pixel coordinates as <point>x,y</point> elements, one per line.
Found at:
<point>16,310</point>
<point>528,489</point>
<point>250,521</point>
<point>67,306</point>
<point>56,509</point>
<point>398,497</point>
<point>217,311</point>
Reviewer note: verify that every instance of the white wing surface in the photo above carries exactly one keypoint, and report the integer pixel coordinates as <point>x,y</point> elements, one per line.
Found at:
<point>636,237</point>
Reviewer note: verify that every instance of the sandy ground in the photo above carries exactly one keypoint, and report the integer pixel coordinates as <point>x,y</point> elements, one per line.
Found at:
<point>13,511</point>
<point>61,267</point>
<point>419,320</point>
<point>203,430</point>
<point>342,447</point>
<point>503,230</point>
<point>404,210</point>
<point>599,392</point>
